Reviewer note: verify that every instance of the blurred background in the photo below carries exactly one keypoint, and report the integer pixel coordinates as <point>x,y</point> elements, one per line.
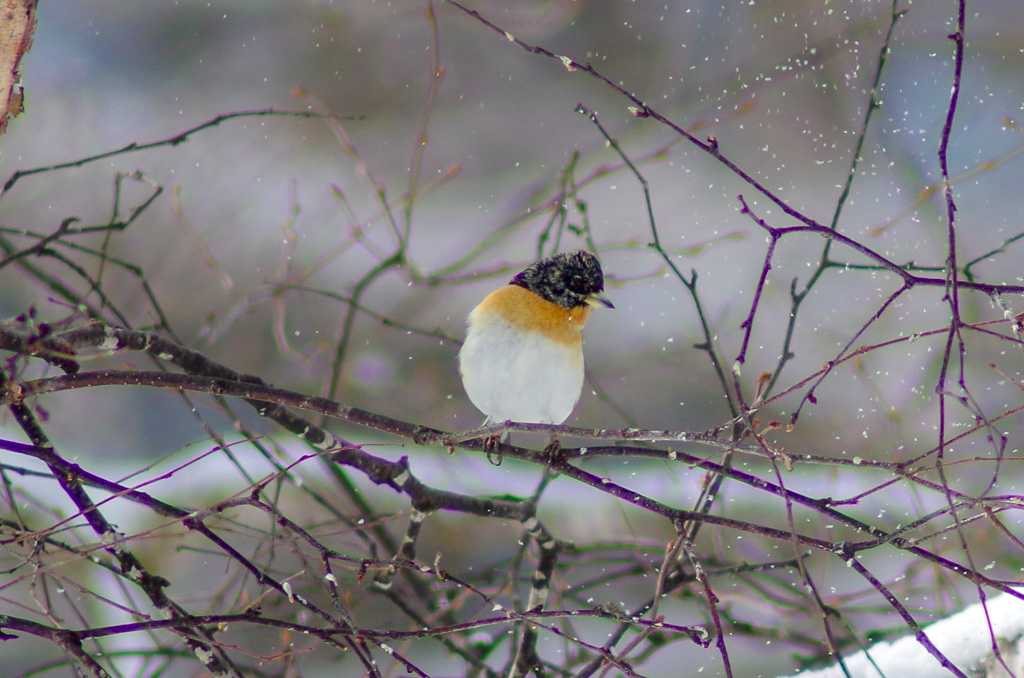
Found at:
<point>256,208</point>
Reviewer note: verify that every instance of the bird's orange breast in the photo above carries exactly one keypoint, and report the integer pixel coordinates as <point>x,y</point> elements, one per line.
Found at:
<point>522,308</point>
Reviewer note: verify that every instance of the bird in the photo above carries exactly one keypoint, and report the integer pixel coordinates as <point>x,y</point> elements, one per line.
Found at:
<point>522,359</point>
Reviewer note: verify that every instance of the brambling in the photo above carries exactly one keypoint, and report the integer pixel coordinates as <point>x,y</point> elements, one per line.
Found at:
<point>523,355</point>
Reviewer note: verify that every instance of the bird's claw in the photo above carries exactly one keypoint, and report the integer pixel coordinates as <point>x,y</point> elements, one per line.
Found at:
<point>492,448</point>
<point>553,453</point>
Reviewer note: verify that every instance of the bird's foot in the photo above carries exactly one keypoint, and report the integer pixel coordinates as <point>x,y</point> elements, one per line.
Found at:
<point>492,448</point>
<point>553,453</point>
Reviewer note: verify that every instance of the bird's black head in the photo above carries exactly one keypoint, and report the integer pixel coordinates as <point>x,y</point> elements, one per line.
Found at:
<point>569,280</point>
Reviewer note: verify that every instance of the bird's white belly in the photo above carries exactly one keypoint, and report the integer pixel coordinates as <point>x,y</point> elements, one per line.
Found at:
<point>511,373</point>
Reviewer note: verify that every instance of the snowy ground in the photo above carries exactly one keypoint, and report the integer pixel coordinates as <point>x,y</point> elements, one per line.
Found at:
<point>964,638</point>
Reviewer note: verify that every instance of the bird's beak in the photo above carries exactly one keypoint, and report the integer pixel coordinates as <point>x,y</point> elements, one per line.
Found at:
<point>597,301</point>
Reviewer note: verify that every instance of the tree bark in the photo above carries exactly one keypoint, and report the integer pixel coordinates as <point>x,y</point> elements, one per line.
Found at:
<point>17,24</point>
